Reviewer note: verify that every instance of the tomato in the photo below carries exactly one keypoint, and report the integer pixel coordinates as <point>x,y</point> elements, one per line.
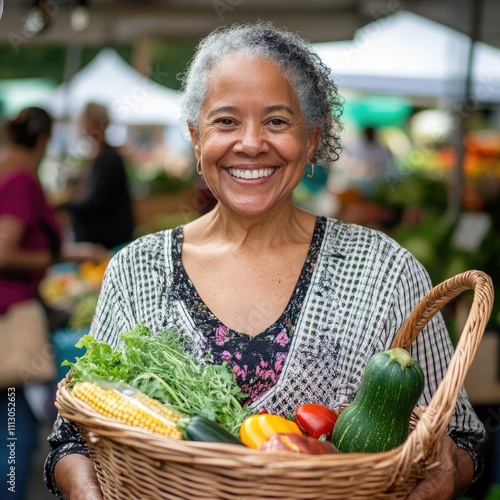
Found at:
<point>316,420</point>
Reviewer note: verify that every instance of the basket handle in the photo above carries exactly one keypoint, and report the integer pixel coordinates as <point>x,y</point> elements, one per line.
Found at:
<point>435,419</point>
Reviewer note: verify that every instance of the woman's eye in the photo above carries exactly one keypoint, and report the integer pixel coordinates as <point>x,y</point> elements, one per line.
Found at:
<point>226,121</point>
<point>276,122</point>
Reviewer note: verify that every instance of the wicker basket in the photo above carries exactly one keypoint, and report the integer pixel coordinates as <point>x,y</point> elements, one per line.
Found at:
<point>135,464</point>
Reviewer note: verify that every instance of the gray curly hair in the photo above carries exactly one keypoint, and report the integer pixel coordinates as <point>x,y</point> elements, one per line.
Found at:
<point>317,94</point>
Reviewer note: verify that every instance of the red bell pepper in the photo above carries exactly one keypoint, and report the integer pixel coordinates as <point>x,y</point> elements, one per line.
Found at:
<point>316,420</point>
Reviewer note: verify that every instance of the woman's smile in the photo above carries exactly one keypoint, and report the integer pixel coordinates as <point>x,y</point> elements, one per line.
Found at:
<point>249,174</point>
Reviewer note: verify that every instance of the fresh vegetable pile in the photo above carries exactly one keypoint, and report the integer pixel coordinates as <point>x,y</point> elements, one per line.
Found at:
<point>151,382</point>
<point>159,366</point>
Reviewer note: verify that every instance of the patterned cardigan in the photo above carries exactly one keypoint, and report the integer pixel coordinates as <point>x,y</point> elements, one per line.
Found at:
<point>363,287</point>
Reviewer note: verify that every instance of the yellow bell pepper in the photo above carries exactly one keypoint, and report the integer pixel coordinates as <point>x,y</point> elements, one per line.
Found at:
<point>256,429</point>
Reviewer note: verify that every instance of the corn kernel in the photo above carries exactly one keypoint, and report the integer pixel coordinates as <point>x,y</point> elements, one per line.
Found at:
<point>139,410</point>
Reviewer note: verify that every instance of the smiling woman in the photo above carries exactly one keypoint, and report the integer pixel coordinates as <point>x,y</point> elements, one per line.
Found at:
<point>252,150</point>
<point>296,304</point>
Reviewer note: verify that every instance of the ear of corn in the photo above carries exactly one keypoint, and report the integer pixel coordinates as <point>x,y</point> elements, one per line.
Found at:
<point>130,406</point>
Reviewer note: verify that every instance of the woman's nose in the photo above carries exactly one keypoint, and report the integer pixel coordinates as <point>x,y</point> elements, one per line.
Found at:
<point>252,141</point>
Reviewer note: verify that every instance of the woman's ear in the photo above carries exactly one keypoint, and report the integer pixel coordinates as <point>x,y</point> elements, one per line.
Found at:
<point>312,141</point>
<point>195,139</point>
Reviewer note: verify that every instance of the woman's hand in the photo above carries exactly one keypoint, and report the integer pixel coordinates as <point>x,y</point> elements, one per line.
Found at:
<point>76,478</point>
<point>450,479</point>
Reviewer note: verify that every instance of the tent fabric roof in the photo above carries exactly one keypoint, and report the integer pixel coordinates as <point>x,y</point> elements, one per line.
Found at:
<point>411,55</point>
<point>131,97</point>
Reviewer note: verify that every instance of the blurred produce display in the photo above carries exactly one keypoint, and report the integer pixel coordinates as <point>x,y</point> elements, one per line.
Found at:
<point>71,292</point>
<point>445,247</point>
<point>65,285</point>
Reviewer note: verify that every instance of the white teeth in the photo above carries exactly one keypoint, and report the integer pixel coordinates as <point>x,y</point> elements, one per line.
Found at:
<point>251,174</point>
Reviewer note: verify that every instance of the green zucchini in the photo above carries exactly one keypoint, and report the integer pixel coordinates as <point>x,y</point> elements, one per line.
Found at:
<point>378,418</point>
<point>199,428</point>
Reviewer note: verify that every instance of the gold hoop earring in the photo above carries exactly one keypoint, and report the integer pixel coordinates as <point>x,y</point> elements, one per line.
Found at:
<point>311,174</point>
<point>198,167</point>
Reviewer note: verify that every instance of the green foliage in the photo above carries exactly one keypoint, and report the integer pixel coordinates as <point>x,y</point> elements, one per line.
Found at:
<point>163,182</point>
<point>159,366</point>
<point>494,492</point>
<point>169,59</point>
<point>48,61</point>
<point>157,180</point>
<point>430,242</point>
<point>416,190</point>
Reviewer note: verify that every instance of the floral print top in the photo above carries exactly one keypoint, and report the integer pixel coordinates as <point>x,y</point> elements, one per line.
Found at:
<point>257,360</point>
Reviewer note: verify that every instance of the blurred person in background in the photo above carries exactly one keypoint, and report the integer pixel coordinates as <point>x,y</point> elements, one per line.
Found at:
<point>30,241</point>
<point>366,163</point>
<point>102,211</point>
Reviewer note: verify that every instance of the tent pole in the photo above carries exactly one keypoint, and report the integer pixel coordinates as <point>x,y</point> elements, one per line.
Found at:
<point>462,110</point>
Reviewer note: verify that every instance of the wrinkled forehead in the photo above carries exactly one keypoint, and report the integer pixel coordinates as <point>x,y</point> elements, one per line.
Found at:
<point>249,79</point>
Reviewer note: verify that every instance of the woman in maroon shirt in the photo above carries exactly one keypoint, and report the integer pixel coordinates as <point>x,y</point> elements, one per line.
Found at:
<point>29,242</point>
<point>30,236</point>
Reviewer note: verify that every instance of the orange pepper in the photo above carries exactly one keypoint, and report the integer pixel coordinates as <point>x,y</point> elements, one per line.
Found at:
<point>256,429</point>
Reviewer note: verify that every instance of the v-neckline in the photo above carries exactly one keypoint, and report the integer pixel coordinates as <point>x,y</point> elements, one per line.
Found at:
<point>196,305</point>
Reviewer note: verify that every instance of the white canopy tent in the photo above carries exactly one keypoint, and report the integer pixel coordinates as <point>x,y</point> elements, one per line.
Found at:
<point>131,98</point>
<point>410,55</point>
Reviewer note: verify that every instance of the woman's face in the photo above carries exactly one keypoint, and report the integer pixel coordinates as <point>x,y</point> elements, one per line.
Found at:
<point>253,141</point>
